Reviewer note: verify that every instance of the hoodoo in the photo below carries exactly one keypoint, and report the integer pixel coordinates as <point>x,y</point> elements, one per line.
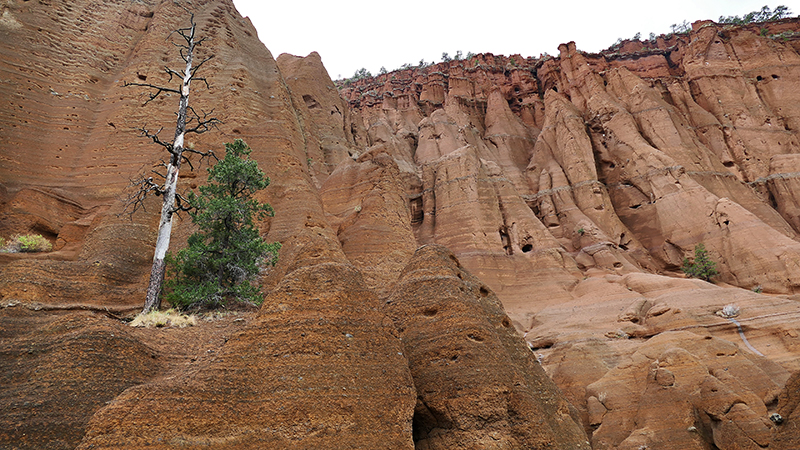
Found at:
<point>480,253</point>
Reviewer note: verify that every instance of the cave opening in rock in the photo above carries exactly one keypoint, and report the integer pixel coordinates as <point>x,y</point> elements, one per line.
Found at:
<point>527,248</point>
<point>417,213</point>
<point>772,201</point>
<point>427,423</point>
<point>506,241</point>
<point>310,102</point>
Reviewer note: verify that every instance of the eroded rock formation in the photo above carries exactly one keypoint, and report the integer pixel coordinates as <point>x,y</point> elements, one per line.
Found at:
<point>478,386</point>
<point>318,367</point>
<point>58,370</point>
<point>571,185</point>
<point>569,189</point>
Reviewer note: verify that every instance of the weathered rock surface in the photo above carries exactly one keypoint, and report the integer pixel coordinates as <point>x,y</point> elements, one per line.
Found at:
<point>605,338</point>
<point>710,390</point>
<point>788,429</point>
<point>614,147</point>
<point>622,163</point>
<point>572,187</point>
<point>478,385</point>
<point>322,113</point>
<point>57,370</point>
<point>318,367</point>
<point>366,203</point>
<point>69,93</point>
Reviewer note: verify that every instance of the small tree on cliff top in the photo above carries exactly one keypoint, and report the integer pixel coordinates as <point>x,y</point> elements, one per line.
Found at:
<point>189,121</point>
<point>223,258</point>
<point>765,14</point>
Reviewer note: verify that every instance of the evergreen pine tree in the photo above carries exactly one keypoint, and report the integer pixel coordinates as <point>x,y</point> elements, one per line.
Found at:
<point>702,267</point>
<point>224,256</point>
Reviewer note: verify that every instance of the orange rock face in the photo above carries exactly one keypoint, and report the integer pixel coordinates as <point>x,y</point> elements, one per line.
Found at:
<point>58,370</point>
<point>571,187</point>
<point>788,434</point>
<point>478,386</point>
<point>318,367</point>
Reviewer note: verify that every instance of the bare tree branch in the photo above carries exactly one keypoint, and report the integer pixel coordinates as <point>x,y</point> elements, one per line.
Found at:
<point>194,69</point>
<point>144,187</point>
<point>153,96</point>
<point>156,139</point>
<point>172,73</point>
<point>182,204</point>
<point>202,124</point>
<point>203,79</point>
<point>203,156</point>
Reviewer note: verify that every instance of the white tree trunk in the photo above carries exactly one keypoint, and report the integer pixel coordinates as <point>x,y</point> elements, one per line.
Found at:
<point>153,299</point>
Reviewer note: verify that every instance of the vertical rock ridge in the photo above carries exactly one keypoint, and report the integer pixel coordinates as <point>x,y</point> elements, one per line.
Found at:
<point>477,383</point>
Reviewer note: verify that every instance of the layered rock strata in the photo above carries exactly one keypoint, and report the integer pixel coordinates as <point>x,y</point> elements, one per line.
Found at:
<point>57,370</point>
<point>318,367</point>
<point>478,386</point>
<point>572,187</point>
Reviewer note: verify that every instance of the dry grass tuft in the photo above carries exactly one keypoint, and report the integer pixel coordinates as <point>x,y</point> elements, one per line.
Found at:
<point>25,243</point>
<point>161,319</point>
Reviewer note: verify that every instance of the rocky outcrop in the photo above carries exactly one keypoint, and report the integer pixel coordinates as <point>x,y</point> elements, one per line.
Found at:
<point>620,333</point>
<point>318,367</point>
<point>711,392</point>
<point>571,187</point>
<point>57,370</point>
<point>788,434</point>
<point>783,184</point>
<point>478,386</point>
<point>366,203</point>
<point>321,113</point>
<point>613,146</point>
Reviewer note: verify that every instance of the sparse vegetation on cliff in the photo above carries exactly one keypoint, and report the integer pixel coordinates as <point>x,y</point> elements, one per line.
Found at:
<point>225,256</point>
<point>359,74</point>
<point>25,243</point>
<point>680,28</point>
<point>702,267</point>
<point>166,183</point>
<point>765,14</point>
<point>364,73</point>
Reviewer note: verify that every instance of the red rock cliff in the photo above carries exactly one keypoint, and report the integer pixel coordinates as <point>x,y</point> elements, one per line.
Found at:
<point>572,185</point>
<point>319,366</point>
<point>572,188</point>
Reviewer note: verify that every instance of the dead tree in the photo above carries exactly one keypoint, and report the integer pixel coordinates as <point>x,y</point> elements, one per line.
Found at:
<point>165,184</point>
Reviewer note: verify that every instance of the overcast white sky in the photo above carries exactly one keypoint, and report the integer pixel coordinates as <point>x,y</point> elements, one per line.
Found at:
<point>351,34</point>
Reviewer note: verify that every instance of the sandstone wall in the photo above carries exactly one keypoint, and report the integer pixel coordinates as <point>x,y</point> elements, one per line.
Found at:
<point>571,187</point>
<point>320,365</point>
<point>575,186</point>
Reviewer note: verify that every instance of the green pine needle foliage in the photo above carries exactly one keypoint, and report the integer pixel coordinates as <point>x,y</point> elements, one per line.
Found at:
<point>702,267</point>
<point>224,257</point>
